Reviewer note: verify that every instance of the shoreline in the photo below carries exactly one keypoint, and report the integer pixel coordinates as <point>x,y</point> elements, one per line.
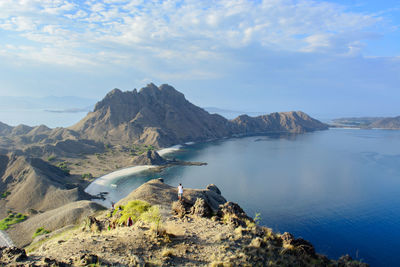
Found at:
<point>100,186</point>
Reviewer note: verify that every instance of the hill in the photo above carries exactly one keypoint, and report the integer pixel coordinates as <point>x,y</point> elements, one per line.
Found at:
<point>161,116</point>
<point>32,187</point>
<point>174,233</point>
<point>386,123</point>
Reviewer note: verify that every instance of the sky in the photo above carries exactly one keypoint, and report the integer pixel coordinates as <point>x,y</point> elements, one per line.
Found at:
<point>330,58</point>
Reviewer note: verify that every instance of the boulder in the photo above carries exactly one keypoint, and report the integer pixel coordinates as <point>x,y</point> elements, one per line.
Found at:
<point>151,157</point>
<point>91,224</point>
<point>12,255</point>
<point>180,208</point>
<point>232,213</point>
<point>300,244</point>
<point>201,208</point>
<point>213,187</point>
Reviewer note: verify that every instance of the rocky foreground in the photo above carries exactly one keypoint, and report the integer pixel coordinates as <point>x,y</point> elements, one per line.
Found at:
<point>202,229</point>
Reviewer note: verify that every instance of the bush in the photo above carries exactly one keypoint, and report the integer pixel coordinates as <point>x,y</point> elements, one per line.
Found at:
<point>40,231</point>
<point>133,209</point>
<point>5,194</point>
<point>140,149</point>
<point>64,167</point>
<point>51,158</point>
<point>11,219</point>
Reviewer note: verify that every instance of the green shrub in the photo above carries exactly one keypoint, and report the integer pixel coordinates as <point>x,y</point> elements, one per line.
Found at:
<point>140,149</point>
<point>40,231</point>
<point>64,167</point>
<point>133,209</point>
<point>51,158</point>
<point>11,219</point>
<point>152,215</point>
<point>5,194</point>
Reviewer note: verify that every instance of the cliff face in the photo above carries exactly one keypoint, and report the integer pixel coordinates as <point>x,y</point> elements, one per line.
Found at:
<point>161,116</point>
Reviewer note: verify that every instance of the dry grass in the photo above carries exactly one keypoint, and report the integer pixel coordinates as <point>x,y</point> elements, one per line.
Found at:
<point>167,252</point>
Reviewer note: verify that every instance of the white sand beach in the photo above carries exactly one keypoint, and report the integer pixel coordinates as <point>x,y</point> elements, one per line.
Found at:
<point>168,150</point>
<point>102,183</point>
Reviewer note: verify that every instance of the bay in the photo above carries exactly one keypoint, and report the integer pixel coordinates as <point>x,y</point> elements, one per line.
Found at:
<point>338,188</point>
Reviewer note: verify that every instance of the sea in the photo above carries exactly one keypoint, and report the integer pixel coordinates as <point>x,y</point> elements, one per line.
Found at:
<point>339,188</point>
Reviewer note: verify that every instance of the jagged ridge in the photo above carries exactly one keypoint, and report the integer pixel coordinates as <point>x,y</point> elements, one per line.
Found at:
<point>161,116</point>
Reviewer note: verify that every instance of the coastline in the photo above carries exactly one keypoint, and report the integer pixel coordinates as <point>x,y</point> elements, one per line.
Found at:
<point>100,186</point>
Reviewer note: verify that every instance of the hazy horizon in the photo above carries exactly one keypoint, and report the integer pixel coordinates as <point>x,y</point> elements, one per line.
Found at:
<point>59,112</point>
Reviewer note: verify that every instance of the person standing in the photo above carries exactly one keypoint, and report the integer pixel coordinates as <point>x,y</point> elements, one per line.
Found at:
<point>180,191</point>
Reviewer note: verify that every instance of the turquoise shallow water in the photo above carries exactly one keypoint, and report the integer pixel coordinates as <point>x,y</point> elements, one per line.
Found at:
<point>339,188</point>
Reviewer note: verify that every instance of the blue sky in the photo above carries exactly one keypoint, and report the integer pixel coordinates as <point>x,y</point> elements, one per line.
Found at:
<point>327,58</point>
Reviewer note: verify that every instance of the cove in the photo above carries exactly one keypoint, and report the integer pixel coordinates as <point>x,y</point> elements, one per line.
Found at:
<point>338,188</point>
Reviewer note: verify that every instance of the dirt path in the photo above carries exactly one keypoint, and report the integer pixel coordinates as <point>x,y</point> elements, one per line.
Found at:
<point>5,241</point>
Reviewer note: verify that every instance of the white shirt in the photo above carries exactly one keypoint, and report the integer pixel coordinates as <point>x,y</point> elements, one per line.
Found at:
<point>180,189</point>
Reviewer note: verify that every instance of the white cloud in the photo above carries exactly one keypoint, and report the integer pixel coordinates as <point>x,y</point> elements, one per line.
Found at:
<point>185,32</point>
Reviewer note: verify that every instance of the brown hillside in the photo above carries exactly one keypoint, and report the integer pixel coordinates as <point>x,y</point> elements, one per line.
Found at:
<point>159,116</point>
<point>35,184</point>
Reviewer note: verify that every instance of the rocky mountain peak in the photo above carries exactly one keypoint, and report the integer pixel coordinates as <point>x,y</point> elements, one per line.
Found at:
<point>163,93</point>
<point>161,116</point>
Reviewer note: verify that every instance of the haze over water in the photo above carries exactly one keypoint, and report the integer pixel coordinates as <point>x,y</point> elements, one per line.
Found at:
<point>338,189</point>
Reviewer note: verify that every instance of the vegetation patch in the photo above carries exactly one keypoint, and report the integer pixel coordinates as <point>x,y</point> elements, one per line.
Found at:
<point>64,167</point>
<point>4,194</point>
<point>139,210</point>
<point>133,209</point>
<point>40,231</point>
<point>140,149</point>
<point>51,158</point>
<point>11,219</point>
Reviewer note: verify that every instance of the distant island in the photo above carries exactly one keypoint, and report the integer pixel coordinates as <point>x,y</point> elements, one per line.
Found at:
<point>44,171</point>
<point>368,122</point>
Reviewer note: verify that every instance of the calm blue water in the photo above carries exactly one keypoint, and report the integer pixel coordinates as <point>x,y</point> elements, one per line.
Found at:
<point>339,188</point>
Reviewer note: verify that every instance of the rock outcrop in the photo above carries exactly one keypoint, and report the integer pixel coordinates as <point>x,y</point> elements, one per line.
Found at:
<point>156,192</point>
<point>150,157</point>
